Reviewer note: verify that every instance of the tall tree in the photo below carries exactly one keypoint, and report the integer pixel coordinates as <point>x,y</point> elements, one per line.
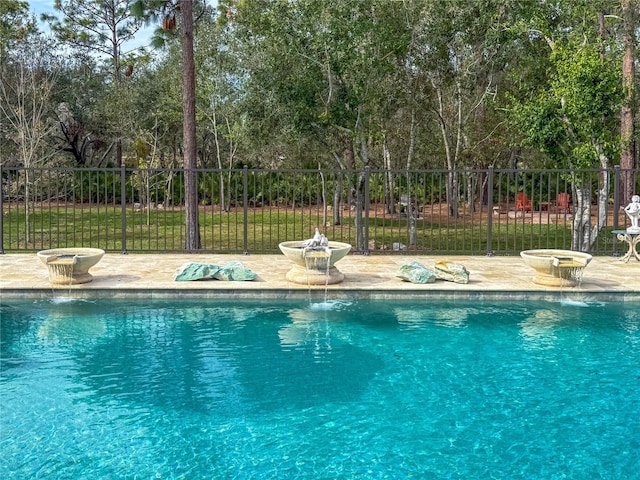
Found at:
<point>16,24</point>
<point>85,111</point>
<point>223,128</point>
<point>189,129</point>
<point>102,27</point>
<point>168,10</point>
<point>99,26</point>
<point>16,27</point>
<point>322,74</point>
<point>27,79</point>
<point>573,120</point>
<point>461,61</point>
<point>627,131</point>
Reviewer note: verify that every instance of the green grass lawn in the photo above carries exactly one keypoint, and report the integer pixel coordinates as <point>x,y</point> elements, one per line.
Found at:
<point>224,232</point>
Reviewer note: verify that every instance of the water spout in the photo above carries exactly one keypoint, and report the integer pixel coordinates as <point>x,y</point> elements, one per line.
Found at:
<point>317,258</point>
<point>61,268</point>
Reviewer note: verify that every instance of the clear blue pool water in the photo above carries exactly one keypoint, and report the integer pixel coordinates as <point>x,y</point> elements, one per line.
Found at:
<point>116,389</point>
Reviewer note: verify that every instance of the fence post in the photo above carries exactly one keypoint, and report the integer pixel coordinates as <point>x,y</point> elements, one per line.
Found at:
<point>245,202</point>
<point>1,212</point>
<point>123,207</point>
<point>616,206</point>
<point>367,198</point>
<point>489,210</point>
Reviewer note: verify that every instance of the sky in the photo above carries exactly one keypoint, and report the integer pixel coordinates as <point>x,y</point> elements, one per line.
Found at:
<point>143,37</point>
<point>41,6</point>
<point>38,7</point>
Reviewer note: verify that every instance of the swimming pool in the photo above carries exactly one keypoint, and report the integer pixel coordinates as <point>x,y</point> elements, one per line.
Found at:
<point>291,389</point>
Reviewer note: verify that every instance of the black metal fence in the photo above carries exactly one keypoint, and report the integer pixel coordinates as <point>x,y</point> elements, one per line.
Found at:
<point>475,212</point>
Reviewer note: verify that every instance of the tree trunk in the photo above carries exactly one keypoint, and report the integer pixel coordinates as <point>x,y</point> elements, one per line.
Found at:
<point>216,140</point>
<point>580,240</point>
<point>358,222</point>
<point>472,183</point>
<point>337,199</point>
<point>192,233</point>
<point>627,153</point>
<point>603,197</point>
<point>603,193</point>
<point>27,207</point>
<point>337,190</point>
<point>451,185</point>
<point>390,199</point>
<point>412,207</point>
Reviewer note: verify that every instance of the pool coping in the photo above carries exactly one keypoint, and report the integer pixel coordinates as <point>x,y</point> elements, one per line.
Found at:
<point>375,277</point>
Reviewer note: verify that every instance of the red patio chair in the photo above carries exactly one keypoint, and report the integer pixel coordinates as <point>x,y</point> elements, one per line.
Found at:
<point>523,202</point>
<point>563,203</point>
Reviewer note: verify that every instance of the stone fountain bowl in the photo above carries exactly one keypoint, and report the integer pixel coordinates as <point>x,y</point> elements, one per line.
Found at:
<point>310,269</point>
<point>70,266</point>
<point>556,267</point>
<point>294,251</point>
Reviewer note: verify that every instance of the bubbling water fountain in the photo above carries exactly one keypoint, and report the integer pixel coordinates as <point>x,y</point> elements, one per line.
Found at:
<point>70,266</point>
<point>314,260</point>
<point>557,268</point>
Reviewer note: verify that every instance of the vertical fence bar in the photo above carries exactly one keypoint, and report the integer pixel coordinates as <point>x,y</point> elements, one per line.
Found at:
<point>83,178</point>
<point>489,211</point>
<point>616,195</point>
<point>245,203</point>
<point>45,200</point>
<point>69,193</point>
<point>1,212</point>
<point>616,206</point>
<point>367,197</point>
<point>123,208</point>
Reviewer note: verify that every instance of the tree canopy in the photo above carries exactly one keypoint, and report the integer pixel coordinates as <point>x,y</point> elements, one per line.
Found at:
<point>340,83</point>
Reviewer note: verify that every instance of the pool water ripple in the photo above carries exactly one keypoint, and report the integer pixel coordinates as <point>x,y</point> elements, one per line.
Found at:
<point>244,390</point>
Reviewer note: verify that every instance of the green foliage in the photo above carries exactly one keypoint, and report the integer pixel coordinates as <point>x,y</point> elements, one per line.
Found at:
<point>94,187</point>
<point>541,126</point>
<point>93,26</point>
<point>16,24</point>
<point>302,83</point>
<point>317,72</point>
<point>573,118</point>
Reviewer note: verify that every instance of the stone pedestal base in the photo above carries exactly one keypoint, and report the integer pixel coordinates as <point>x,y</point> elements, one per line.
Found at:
<point>305,276</point>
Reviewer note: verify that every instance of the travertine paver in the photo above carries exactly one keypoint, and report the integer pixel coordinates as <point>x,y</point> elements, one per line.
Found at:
<point>373,276</point>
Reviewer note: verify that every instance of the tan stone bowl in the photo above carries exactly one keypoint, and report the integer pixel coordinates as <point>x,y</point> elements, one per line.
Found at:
<point>314,267</point>
<point>70,266</point>
<point>556,268</point>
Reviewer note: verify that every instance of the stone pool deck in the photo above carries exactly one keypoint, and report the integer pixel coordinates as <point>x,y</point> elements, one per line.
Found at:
<point>151,275</point>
